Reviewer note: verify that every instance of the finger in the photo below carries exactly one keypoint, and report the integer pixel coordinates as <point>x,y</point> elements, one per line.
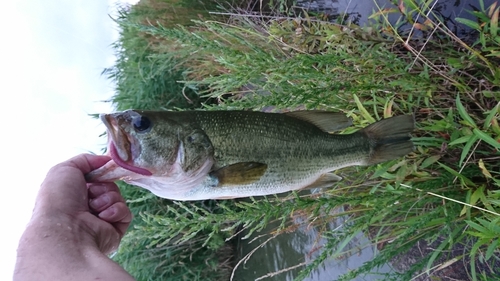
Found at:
<point>104,201</point>
<point>118,212</point>
<point>118,215</point>
<point>85,162</point>
<point>65,182</point>
<point>97,189</point>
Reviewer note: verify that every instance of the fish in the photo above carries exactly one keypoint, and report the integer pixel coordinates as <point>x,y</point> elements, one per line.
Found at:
<point>200,155</point>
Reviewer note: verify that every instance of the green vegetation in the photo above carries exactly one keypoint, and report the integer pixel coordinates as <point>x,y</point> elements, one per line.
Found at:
<point>447,192</point>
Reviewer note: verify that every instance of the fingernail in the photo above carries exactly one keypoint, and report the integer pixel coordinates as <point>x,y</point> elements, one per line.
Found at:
<point>99,188</point>
<point>99,202</point>
<point>108,213</point>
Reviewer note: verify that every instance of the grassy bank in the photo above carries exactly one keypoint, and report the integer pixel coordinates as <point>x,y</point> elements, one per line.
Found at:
<point>445,193</point>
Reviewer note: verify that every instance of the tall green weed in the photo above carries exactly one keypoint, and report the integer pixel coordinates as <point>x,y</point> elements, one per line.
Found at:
<point>445,193</point>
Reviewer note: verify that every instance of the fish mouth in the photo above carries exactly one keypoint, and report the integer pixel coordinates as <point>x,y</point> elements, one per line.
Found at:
<point>119,145</point>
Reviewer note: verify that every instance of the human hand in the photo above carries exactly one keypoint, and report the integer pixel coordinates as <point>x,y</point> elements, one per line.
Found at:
<point>98,208</point>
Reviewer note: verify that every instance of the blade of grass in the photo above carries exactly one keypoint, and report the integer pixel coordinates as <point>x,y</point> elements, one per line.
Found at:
<point>363,110</point>
<point>486,138</point>
<point>463,113</point>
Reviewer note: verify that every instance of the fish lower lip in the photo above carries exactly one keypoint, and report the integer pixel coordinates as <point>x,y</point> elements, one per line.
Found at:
<point>115,156</point>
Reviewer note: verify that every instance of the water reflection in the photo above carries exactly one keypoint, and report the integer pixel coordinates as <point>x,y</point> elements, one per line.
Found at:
<point>358,12</point>
<point>283,257</point>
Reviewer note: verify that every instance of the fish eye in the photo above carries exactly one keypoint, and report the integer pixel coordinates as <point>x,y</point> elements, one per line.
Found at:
<point>141,124</point>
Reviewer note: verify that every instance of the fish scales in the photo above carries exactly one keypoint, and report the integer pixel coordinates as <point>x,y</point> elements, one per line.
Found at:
<point>235,137</point>
<point>279,152</point>
<point>294,150</point>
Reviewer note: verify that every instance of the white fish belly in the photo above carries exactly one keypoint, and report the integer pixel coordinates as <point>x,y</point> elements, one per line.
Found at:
<point>272,182</point>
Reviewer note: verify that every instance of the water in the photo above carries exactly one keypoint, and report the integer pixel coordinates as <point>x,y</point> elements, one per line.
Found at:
<point>274,257</point>
<point>358,11</point>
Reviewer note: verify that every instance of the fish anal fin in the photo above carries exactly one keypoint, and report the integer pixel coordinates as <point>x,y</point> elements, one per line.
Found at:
<point>240,173</point>
<point>324,181</point>
<point>327,121</point>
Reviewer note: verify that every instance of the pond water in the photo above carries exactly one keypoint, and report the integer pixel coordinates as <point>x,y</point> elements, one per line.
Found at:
<point>274,258</point>
<point>277,257</point>
<point>358,11</point>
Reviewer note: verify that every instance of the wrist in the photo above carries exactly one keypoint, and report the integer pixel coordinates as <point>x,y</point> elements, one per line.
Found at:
<point>61,247</point>
<point>68,231</point>
<point>52,243</point>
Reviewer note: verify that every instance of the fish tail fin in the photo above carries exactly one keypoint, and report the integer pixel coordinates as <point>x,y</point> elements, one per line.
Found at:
<point>390,138</point>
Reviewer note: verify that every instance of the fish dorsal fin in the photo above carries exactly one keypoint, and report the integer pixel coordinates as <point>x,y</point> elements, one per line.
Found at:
<point>240,173</point>
<point>324,181</point>
<point>325,120</point>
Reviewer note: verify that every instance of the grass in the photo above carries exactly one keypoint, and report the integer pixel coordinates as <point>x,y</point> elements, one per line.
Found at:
<point>446,193</point>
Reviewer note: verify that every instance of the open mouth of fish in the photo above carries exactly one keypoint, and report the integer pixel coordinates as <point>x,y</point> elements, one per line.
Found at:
<point>121,147</point>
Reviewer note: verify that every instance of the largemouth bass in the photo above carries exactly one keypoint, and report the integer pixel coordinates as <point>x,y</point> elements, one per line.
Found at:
<point>196,155</point>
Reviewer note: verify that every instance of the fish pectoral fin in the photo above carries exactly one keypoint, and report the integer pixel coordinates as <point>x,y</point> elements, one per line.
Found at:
<point>240,173</point>
<point>325,180</point>
<point>327,121</point>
